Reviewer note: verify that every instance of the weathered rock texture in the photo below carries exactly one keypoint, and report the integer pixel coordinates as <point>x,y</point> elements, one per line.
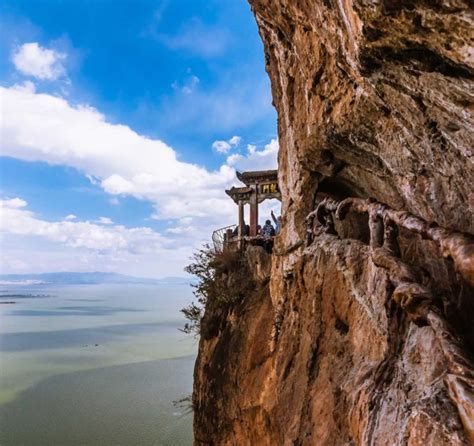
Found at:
<point>358,339</point>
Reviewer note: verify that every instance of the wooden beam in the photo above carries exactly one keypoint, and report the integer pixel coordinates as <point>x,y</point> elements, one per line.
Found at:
<point>254,213</point>
<point>241,218</point>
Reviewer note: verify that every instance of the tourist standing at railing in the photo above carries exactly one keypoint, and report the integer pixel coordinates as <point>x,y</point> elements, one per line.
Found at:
<point>246,230</point>
<point>277,221</point>
<point>268,230</point>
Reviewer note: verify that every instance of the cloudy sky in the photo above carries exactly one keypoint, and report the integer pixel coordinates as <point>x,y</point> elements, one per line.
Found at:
<point>122,123</point>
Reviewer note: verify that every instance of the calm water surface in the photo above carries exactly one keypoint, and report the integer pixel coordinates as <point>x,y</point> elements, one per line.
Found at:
<point>95,365</point>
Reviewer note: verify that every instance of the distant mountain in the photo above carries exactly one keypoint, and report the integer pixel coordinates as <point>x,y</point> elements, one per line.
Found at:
<point>73,278</point>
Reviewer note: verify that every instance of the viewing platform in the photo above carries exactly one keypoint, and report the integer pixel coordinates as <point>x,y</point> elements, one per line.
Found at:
<point>259,186</point>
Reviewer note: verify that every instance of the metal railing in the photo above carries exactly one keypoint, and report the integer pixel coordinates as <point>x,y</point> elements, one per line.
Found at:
<point>219,237</point>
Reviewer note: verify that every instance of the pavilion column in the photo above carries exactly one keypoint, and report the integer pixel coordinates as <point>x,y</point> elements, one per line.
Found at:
<point>253,213</point>
<point>241,218</point>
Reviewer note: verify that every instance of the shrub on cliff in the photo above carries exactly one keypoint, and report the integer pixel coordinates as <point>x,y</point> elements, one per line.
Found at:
<point>223,280</point>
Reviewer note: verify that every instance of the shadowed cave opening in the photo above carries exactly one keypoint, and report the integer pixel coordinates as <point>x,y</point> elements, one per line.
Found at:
<point>355,226</point>
<point>419,58</point>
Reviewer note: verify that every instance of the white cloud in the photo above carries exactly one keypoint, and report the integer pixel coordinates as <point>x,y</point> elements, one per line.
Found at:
<point>223,107</point>
<point>256,159</point>
<point>42,127</point>
<point>42,63</point>
<point>34,254</point>
<point>27,86</point>
<point>70,217</point>
<point>83,246</point>
<point>14,203</point>
<point>105,221</point>
<point>12,264</point>
<point>198,38</point>
<point>221,146</point>
<point>15,219</point>
<point>188,86</point>
<point>114,201</point>
<point>180,230</point>
<point>235,140</point>
<point>185,221</point>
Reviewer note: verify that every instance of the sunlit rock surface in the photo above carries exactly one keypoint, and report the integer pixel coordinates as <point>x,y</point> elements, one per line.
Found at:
<point>374,100</point>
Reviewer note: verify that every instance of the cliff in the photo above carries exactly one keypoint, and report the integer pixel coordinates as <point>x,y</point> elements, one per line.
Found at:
<point>359,328</point>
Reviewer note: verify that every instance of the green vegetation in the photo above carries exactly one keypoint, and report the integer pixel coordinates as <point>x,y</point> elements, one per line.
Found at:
<point>223,280</point>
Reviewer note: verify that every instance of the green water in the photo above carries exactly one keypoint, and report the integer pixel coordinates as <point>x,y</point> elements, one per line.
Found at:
<point>95,365</point>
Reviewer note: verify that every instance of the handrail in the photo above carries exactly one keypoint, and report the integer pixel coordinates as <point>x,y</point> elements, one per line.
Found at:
<point>416,299</point>
<point>218,237</point>
<point>456,245</point>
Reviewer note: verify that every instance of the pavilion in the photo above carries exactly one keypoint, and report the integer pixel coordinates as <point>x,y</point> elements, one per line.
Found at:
<point>259,186</point>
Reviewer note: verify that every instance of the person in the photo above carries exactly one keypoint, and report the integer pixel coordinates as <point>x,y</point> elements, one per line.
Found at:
<point>277,221</point>
<point>268,230</point>
<point>245,230</point>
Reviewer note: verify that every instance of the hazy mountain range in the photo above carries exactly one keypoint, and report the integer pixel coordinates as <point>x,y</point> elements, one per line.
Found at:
<point>75,278</point>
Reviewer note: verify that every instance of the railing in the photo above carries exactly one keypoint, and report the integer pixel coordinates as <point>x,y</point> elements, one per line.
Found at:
<point>418,300</point>
<point>219,237</point>
<point>382,222</point>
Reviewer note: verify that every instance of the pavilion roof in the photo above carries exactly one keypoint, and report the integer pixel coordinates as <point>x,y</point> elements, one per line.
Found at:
<point>257,176</point>
<point>238,190</point>
<point>237,193</point>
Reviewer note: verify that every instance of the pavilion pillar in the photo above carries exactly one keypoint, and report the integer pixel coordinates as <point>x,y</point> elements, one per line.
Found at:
<point>253,212</point>
<point>241,218</point>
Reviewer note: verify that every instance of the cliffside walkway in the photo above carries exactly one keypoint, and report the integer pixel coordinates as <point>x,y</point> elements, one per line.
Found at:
<point>383,224</point>
<point>224,239</point>
<point>416,299</point>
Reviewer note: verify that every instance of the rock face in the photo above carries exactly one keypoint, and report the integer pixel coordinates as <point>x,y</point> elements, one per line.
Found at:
<point>364,334</point>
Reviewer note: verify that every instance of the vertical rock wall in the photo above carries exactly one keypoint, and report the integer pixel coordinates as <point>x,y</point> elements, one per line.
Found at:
<point>374,100</point>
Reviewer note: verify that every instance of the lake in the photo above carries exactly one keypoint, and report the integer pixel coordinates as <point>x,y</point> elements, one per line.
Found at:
<point>95,365</point>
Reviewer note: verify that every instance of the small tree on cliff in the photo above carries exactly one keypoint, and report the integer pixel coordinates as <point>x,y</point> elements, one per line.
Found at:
<point>223,279</point>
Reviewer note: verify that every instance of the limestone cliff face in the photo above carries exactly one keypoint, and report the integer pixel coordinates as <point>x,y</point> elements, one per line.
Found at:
<point>364,334</point>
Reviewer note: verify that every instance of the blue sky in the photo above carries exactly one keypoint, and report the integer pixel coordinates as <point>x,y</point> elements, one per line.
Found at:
<point>124,121</point>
